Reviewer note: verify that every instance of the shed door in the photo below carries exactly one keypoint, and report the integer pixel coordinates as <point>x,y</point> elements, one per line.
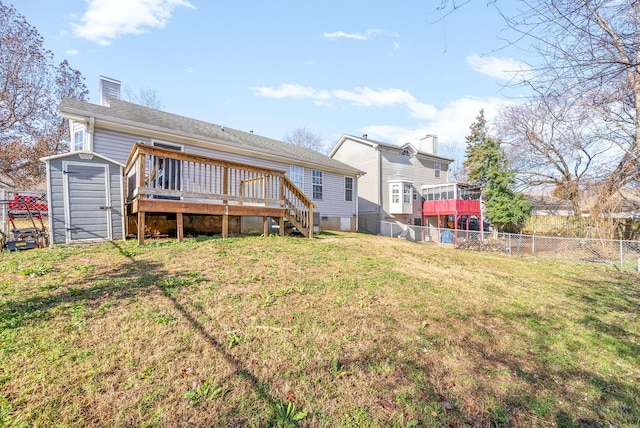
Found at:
<point>87,202</point>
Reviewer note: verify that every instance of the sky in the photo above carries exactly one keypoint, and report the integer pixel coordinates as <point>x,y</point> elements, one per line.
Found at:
<point>395,71</point>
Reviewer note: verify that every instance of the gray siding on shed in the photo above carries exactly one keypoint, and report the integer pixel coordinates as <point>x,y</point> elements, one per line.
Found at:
<point>78,201</point>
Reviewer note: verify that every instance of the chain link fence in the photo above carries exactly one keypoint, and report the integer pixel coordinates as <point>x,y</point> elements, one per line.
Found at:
<point>621,253</point>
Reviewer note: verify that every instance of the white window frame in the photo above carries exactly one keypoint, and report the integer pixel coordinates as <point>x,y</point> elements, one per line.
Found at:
<point>296,175</point>
<point>348,189</point>
<point>317,184</point>
<point>437,167</point>
<point>78,143</point>
<point>395,193</point>
<point>406,193</point>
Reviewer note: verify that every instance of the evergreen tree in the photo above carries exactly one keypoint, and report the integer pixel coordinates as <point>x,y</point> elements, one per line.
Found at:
<point>487,165</point>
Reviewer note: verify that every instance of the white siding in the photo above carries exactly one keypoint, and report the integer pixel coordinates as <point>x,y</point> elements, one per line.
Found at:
<point>365,158</point>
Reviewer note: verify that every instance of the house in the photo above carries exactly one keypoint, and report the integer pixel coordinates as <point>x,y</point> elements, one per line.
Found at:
<point>134,170</point>
<point>391,189</point>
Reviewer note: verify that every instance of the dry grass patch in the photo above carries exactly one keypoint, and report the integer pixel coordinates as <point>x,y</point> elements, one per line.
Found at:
<point>354,330</point>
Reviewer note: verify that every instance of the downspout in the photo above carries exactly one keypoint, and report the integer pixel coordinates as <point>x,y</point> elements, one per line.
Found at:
<point>356,201</point>
<point>380,207</point>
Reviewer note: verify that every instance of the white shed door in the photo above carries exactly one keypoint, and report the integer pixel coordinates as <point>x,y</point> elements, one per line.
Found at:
<point>87,202</point>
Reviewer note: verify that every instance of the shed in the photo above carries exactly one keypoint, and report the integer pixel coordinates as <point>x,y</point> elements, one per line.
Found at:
<point>92,206</point>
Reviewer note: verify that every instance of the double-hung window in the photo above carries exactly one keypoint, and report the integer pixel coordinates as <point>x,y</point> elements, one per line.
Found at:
<point>296,175</point>
<point>317,182</point>
<point>437,167</point>
<point>78,140</point>
<point>406,193</point>
<point>395,193</point>
<point>348,189</point>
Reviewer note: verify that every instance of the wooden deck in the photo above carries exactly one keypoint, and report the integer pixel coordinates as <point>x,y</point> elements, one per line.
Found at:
<point>160,180</point>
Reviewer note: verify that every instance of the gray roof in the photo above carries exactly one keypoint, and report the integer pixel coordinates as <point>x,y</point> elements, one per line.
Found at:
<point>369,141</point>
<point>151,119</point>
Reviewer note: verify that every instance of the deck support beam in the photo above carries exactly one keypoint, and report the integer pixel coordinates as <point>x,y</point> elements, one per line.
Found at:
<point>265,226</point>
<point>281,223</point>
<point>225,225</point>
<point>141,227</point>
<point>179,227</point>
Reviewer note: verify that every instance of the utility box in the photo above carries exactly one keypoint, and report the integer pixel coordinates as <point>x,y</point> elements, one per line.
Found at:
<point>316,222</point>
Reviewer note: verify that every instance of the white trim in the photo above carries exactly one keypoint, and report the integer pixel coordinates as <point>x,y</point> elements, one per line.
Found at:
<point>344,188</point>
<point>67,207</point>
<point>123,213</point>
<point>69,154</point>
<point>161,143</point>
<point>50,205</point>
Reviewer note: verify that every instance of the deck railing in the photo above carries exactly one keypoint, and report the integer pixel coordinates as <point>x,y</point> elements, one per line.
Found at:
<point>298,208</point>
<point>159,173</point>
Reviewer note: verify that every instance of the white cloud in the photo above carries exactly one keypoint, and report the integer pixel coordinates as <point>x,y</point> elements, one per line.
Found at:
<point>498,68</point>
<point>72,52</point>
<point>106,20</point>
<point>343,35</point>
<point>371,98</point>
<point>450,123</point>
<point>359,36</point>
<point>289,90</point>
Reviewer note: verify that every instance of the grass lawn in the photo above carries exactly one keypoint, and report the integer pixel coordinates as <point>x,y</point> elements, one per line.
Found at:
<point>345,330</point>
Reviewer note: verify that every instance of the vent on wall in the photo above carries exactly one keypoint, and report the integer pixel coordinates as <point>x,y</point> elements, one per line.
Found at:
<point>109,88</point>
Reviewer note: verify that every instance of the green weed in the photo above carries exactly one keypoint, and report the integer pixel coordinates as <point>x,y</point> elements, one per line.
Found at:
<point>285,415</point>
<point>205,391</point>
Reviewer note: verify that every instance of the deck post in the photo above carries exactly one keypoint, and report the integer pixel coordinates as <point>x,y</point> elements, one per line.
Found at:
<point>225,223</point>
<point>281,223</point>
<point>141,227</point>
<point>179,227</point>
<point>265,226</point>
<point>310,222</point>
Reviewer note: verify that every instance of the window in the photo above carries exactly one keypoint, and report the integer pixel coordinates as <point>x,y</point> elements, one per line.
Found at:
<point>406,193</point>
<point>78,140</point>
<point>296,175</point>
<point>395,193</point>
<point>436,168</point>
<point>316,181</point>
<point>348,189</point>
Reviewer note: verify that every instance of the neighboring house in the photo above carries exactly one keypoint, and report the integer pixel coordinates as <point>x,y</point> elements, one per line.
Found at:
<point>546,204</point>
<point>131,167</point>
<point>391,189</point>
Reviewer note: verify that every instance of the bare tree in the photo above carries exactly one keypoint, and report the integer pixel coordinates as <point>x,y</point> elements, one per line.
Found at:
<point>552,144</point>
<point>305,138</point>
<point>144,96</point>
<point>32,87</point>
<point>589,55</point>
